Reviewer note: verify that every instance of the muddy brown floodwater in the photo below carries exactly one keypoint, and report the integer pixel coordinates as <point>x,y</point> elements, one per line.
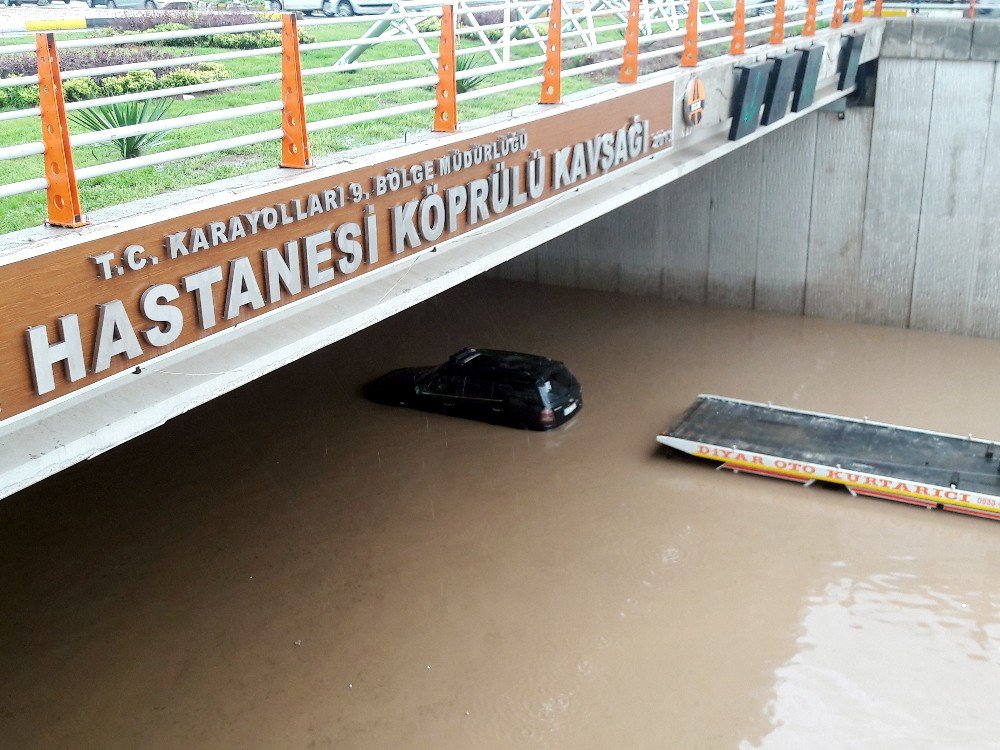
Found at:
<point>291,566</point>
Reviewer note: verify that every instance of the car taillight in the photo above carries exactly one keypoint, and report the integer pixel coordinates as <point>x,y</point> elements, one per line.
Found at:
<point>548,416</point>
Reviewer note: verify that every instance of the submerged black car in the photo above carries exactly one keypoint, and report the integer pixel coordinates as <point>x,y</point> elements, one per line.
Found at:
<point>521,390</point>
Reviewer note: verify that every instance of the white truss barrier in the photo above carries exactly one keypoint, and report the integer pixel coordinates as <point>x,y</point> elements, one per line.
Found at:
<point>406,17</point>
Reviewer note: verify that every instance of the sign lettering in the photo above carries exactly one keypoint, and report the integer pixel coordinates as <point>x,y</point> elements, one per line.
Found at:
<point>83,313</point>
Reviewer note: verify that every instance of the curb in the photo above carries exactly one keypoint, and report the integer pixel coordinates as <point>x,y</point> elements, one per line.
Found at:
<point>62,24</point>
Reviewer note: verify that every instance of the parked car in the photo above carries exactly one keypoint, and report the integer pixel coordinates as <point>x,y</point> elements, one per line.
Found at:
<point>987,9</point>
<point>333,7</point>
<point>520,390</point>
<point>147,4</point>
<point>12,3</point>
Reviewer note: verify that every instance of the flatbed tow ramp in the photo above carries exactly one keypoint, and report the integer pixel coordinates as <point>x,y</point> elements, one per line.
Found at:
<point>931,469</point>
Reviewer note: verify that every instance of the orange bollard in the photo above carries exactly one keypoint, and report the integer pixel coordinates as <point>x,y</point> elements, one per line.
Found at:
<point>738,45</point>
<point>552,74</point>
<point>61,191</point>
<point>858,11</point>
<point>295,141</point>
<point>446,111</point>
<point>809,27</point>
<point>838,15</point>
<point>630,55</point>
<point>778,26</point>
<point>878,8</point>
<point>689,57</point>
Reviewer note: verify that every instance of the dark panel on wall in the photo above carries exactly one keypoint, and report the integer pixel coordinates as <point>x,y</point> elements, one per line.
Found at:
<point>850,55</point>
<point>779,86</point>
<point>748,97</point>
<point>806,77</point>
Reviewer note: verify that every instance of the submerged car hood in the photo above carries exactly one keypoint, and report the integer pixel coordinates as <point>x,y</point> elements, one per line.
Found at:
<point>395,382</point>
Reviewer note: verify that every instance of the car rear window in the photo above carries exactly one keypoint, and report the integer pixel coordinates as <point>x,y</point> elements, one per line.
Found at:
<point>557,386</point>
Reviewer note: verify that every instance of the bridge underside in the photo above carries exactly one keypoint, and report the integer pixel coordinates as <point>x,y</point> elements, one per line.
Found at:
<point>88,422</point>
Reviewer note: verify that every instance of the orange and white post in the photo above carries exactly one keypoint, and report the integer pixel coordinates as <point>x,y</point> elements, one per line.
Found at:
<point>738,44</point>
<point>630,55</point>
<point>552,74</point>
<point>446,110</point>
<point>689,57</point>
<point>294,139</point>
<point>838,15</point>
<point>61,191</point>
<point>778,26</point>
<point>809,28</point>
<point>858,11</point>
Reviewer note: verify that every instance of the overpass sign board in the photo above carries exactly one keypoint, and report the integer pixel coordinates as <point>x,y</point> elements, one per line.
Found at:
<point>105,303</point>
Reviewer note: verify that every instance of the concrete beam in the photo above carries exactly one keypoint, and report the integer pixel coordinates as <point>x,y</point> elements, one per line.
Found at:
<point>941,39</point>
<point>953,177</point>
<point>897,37</point>
<point>895,189</point>
<point>986,39</point>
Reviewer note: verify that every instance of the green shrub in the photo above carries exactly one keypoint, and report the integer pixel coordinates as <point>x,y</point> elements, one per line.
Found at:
<point>216,68</point>
<point>80,89</point>
<point>524,33</point>
<point>132,82</point>
<point>171,27</point>
<point>182,77</point>
<point>201,73</point>
<point>19,97</point>
<point>252,39</point>
<point>429,24</point>
<point>204,73</point>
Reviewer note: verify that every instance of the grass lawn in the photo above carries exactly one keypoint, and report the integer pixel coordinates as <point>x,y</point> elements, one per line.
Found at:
<point>29,210</point>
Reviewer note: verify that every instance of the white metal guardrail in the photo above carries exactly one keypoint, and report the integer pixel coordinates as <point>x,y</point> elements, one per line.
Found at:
<point>563,51</point>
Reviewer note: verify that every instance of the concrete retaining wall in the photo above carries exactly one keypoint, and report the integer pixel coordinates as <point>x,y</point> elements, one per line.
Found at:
<point>889,216</point>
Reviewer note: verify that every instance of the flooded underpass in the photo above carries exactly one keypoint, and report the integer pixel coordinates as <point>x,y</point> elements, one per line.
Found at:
<point>291,566</point>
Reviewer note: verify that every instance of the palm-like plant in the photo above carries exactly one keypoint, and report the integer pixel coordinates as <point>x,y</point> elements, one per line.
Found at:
<point>107,116</point>
<point>463,64</point>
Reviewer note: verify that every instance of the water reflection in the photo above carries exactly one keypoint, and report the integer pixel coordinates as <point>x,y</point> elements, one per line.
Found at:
<point>889,661</point>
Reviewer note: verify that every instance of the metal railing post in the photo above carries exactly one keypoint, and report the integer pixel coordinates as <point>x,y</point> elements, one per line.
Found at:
<point>295,140</point>
<point>505,38</point>
<point>738,45</point>
<point>630,55</point>
<point>778,26</point>
<point>446,111</point>
<point>63,197</point>
<point>689,57</point>
<point>809,27</point>
<point>838,15</point>
<point>552,74</point>
<point>858,11</point>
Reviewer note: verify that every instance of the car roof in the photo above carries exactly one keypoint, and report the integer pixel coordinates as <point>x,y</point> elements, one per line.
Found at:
<point>494,362</point>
